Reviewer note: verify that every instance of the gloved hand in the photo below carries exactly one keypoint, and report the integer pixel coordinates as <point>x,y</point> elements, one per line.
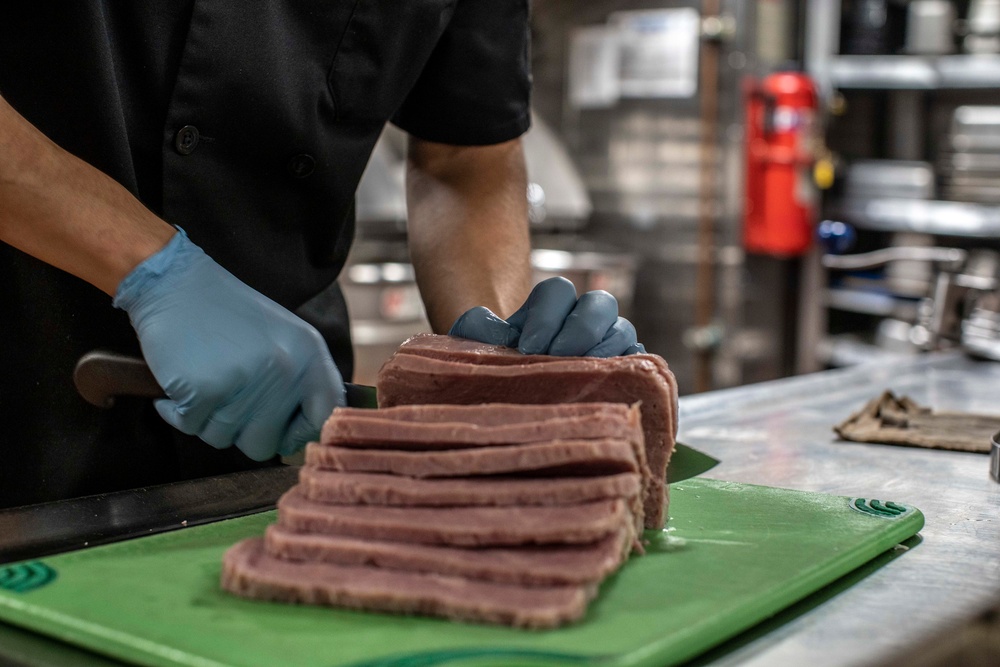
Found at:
<point>553,321</point>
<point>236,366</point>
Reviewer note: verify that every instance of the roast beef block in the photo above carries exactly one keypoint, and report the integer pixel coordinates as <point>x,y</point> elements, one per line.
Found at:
<point>442,369</point>
<point>247,570</point>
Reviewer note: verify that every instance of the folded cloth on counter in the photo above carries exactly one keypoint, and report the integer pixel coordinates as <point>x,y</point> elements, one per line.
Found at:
<point>902,421</point>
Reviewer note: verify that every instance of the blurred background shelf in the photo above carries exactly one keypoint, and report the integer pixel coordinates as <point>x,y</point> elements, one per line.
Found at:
<point>915,72</point>
<point>946,218</point>
<point>870,303</point>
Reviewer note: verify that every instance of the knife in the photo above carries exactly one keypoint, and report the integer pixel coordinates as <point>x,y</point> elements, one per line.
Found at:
<point>100,376</point>
<point>687,462</point>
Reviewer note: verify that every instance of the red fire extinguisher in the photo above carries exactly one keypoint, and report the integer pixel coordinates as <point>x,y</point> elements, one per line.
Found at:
<point>781,148</point>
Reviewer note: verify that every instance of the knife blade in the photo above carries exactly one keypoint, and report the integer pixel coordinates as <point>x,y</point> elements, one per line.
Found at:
<point>100,376</point>
<point>687,462</point>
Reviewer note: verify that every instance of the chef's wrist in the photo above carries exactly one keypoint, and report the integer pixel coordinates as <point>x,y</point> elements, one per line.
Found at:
<point>153,265</point>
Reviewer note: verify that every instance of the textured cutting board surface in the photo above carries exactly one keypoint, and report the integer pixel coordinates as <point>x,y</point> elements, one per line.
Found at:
<point>734,554</point>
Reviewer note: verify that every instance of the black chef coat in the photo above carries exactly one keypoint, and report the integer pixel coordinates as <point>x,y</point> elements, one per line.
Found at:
<point>249,125</point>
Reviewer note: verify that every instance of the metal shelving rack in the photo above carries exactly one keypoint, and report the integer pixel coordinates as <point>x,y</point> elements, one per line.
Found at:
<point>909,74</point>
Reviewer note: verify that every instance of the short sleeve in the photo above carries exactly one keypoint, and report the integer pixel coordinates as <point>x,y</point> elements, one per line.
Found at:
<point>476,86</point>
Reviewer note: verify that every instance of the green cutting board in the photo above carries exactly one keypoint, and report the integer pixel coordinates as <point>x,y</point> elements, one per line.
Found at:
<point>734,554</point>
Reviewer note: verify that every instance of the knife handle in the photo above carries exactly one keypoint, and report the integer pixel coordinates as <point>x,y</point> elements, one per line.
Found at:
<point>100,376</point>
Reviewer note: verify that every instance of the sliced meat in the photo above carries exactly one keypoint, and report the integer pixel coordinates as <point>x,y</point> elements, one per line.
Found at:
<point>460,526</point>
<point>481,415</point>
<point>451,348</point>
<point>463,350</point>
<point>402,427</point>
<point>557,457</point>
<point>436,369</point>
<point>529,565</point>
<point>248,571</point>
<point>347,488</point>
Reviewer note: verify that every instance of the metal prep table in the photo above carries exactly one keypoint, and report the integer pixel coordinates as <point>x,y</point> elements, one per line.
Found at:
<point>775,433</point>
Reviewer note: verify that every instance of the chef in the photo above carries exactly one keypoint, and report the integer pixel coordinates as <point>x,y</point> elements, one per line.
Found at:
<point>177,181</point>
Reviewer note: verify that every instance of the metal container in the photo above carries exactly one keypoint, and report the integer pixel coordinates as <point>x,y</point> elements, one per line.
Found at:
<point>873,27</point>
<point>995,458</point>
<point>983,27</point>
<point>930,27</point>
<point>969,163</point>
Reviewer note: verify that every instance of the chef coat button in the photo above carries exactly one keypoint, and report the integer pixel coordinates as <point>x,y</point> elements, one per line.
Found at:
<point>187,139</point>
<point>302,165</point>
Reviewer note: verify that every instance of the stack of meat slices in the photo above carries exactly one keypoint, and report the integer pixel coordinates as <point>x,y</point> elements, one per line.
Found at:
<point>497,513</point>
<point>442,369</point>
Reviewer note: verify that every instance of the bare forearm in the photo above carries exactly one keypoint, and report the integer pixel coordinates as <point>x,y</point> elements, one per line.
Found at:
<point>468,229</point>
<point>61,210</point>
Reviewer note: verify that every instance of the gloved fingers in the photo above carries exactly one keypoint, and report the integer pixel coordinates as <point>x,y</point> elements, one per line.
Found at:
<point>541,317</point>
<point>481,324</point>
<point>169,412</point>
<point>587,325</point>
<point>186,418</point>
<point>265,432</point>
<point>220,430</point>
<point>543,290</point>
<point>259,439</point>
<point>192,400</point>
<point>300,432</point>
<point>324,391</point>
<point>635,348</point>
<point>619,338</point>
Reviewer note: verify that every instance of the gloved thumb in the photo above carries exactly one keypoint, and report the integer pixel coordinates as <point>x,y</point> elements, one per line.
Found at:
<point>481,324</point>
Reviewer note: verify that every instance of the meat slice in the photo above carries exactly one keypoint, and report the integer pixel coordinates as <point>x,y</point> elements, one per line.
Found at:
<point>484,415</point>
<point>529,565</point>
<point>346,488</point>
<point>557,457</point>
<point>404,427</point>
<point>451,348</point>
<point>459,526</point>
<point>247,570</point>
<point>441,369</point>
<point>374,430</point>
<point>463,350</point>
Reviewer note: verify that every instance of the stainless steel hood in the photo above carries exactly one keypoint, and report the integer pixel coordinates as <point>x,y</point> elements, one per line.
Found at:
<point>556,193</point>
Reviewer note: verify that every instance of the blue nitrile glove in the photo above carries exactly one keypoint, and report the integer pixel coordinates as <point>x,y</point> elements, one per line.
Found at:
<point>553,321</point>
<point>236,366</point>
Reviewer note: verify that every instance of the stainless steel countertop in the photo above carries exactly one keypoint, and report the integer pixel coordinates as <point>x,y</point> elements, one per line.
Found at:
<point>776,434</point>
<point>779,434</point>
